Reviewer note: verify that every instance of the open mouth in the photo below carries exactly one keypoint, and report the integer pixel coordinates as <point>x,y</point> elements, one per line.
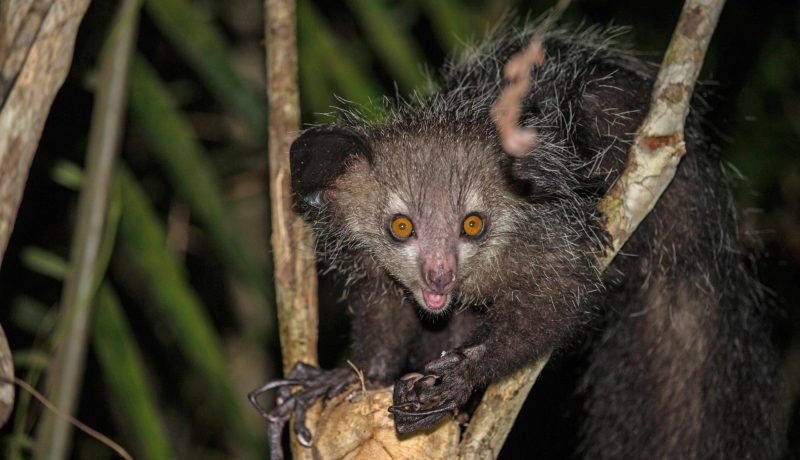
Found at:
<point>434,301</point>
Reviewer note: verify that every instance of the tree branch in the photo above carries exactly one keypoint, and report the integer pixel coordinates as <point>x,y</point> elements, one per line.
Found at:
<point>36,52</point>
<point>292,242</point>
<point>6,376</point>
<point>36,42</point>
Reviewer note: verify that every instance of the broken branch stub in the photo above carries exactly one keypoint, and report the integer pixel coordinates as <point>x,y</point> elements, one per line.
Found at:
<point>506,112</point>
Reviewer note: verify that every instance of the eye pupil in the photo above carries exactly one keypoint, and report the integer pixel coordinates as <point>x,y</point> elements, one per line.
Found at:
<point>401,228</point>
<point>473,226</point>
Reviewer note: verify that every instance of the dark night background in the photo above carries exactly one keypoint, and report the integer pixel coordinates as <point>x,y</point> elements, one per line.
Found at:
<point>198,86</point>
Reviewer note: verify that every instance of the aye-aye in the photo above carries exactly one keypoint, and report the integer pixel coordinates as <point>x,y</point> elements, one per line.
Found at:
<point>463,264</point>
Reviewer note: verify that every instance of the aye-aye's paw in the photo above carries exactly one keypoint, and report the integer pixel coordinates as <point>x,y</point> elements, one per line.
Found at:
<point>314,383</point>
<point>422,401</point>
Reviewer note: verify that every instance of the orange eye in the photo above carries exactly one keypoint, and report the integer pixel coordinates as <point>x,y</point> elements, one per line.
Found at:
<point>473,226</point>
<point>401,227</point>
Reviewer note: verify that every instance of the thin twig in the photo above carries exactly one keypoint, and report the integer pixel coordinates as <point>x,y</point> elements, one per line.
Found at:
<point>360,375</point>
<point>66,370</point>
<point>68,418</point>
<point>292,243</point>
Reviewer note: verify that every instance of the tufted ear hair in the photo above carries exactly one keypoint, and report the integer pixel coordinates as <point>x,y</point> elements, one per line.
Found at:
<point>319,156</point>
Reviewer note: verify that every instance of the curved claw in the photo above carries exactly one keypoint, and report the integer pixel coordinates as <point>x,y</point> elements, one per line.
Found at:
<point>253,395</point>
<point>422,401</point>
<point>283,412</point>
<point>401,410</point>
<point>410,424</point>
<point>314,383</point>
<point>300,429</point>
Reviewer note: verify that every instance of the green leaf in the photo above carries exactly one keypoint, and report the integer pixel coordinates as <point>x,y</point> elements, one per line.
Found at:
<point>67,174</point>
<point>399,53</point>
<point>43,262</point>
<point>125,376</point>
<point>121,363</point>
<point>148,251</point>
<point>29,315</point>
<point>31,359</point>
<point>341,62</point>
<point>316,94</point>
<point>207,52</point>
<point>185,161</point>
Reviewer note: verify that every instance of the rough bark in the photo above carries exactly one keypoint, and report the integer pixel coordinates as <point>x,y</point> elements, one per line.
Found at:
<point>6,377</point>
<point>292,242</point>
<point>36,42</point>
<point>36,46</point>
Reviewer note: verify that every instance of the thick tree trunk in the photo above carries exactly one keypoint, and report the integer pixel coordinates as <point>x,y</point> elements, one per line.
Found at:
<point>36,46</point>
<point>36,42</point>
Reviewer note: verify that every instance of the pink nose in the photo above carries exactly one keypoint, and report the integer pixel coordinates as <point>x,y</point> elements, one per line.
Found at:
<point>439,271</point>
<point>440,281</point>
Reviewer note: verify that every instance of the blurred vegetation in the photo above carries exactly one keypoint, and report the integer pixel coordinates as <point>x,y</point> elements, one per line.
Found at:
<point>182,321</point>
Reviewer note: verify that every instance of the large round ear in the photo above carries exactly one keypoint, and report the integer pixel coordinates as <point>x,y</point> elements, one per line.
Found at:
<point>319,156</point>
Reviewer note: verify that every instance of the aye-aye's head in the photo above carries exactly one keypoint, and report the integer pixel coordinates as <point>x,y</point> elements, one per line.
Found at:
<point>433,208</point>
